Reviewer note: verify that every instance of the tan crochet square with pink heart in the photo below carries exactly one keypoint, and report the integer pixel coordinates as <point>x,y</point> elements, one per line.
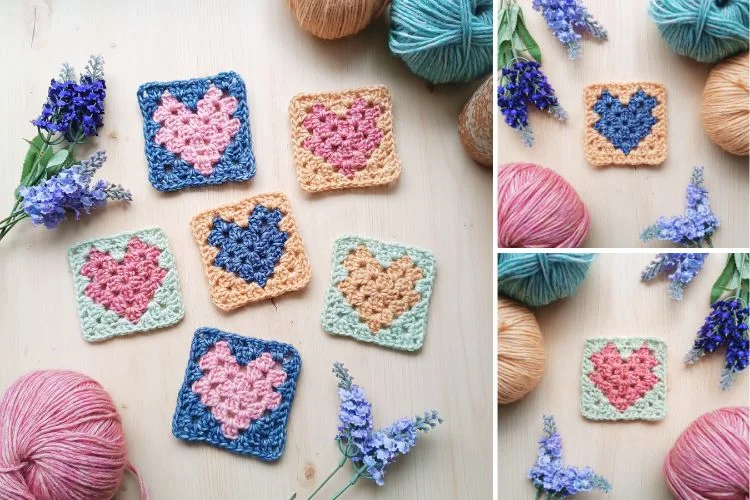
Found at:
<point>344,139</point>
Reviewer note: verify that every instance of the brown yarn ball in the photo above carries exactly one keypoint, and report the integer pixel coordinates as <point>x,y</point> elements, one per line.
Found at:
<point>332,19</point>
<point>726,105</point>
<point>520,351</point>
<point>475,124</point>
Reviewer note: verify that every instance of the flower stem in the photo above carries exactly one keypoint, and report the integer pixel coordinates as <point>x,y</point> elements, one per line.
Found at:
<point>346,486</point>
<point>5,230</point>
<point>340,465</point>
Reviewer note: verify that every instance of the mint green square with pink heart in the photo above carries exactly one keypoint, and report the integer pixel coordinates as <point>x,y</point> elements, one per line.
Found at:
<point>125,284</point>
<point>624,379</point>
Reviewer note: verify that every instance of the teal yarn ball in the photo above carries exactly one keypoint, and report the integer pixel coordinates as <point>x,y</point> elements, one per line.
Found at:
<point>536,279</point>
<point>443,40</point>
<point>706,30</point>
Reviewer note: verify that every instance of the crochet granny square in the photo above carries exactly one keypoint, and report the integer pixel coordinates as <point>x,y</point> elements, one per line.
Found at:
<point>251,250</point>
<point>624,379</point>
<point>196,131</point>
<point>126,283</point>
<point>237,393</point>
<point>379,292</point>
<point>344,139</point>
<point>626,123</point>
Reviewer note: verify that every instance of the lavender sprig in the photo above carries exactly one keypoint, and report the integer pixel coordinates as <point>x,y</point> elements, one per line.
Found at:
<point>552,478</point>
<point>565,18</point>
<point>70,191</point>
<point>679,268</point>
<point>53,183</point>
<point>727,323</point>
<point>75,109</point>
<point>522,83</point>
<point>369,450</point>
<point>696,226</point>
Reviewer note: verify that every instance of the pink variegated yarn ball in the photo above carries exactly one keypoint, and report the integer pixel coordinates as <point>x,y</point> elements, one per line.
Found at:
<point>711,458</point>
<point>537,208</point>
<point>61,439</point>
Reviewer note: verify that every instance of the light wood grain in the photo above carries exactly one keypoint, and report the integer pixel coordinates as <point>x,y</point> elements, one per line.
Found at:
<point>442,203</point>
<point>624,200</point>
<point>613,303</point>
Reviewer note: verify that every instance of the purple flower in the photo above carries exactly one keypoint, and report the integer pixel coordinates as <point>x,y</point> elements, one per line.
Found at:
<point>693,228</point>
<point>382,447</point>
<point>355,414</point>
<point>522,84</point>
<point>564,18</point>
<point>75,109</point>
<point>680,269</point>
<point>725,326</point>
<point>550,476</point>
<point>70,190</point>
<point>371,451</point>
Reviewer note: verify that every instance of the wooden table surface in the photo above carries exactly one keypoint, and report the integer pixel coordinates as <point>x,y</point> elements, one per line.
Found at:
<point>442,202</point>
<point>613,303</point>
<point>622,201</point>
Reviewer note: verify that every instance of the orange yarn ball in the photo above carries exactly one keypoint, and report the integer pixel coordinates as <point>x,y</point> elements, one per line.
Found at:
<point>332,19</point>
<point>475,124</point>
<point>520,351</point>
<point>725,109</point>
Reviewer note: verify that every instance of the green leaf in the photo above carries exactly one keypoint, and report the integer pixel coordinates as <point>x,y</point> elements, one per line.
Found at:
<point>58,158</point>
<point>44,159</point>
<point>31,155</point>
<point>513,15</point>
<point>742,261</point>
<point>720,286</point>
<point>531,46</point>
<point>503,27</point>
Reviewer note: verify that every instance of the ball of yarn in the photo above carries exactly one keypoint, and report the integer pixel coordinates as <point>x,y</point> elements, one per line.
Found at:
<point>537,208</point>
<point>60,439</point>
<point>725,109</point>
<point>520,351</point>
<point>706,30</point>
<point>710,458</point>
<point>331,19</point>
<point>536,279</point>
<point>475,124</point>
<point>443,40</point>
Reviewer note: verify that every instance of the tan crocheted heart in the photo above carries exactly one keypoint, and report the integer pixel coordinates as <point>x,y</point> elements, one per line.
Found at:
<point>380,294</point>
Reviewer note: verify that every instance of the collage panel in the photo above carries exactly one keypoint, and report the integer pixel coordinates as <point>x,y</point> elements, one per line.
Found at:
<point>623,375</point>
<point>622,124</point>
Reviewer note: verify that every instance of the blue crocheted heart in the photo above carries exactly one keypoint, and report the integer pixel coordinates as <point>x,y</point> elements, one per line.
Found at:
<point>250,252</point>
<point>625,126</point>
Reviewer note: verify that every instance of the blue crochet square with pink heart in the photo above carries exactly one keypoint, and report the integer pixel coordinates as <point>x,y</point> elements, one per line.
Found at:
<point>626,123</point>
<point>237,393</point>
<point>196,131</point>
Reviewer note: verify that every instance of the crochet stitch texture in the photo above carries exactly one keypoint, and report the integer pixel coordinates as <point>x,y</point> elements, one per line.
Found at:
<point>626,123</point>
<point>251,250</point>
<point>237,393</point>
<point>344,139</point>
<point>379,292</point>
<point>196,131</point>
<point>624,379</point>
<point>124,284</point>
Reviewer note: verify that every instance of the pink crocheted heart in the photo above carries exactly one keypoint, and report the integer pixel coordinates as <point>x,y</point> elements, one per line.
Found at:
<point>126,286</point>
<point>347,142</point>
<point>201,137</point>
<point>623,381</point>
<point>238,395</point>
